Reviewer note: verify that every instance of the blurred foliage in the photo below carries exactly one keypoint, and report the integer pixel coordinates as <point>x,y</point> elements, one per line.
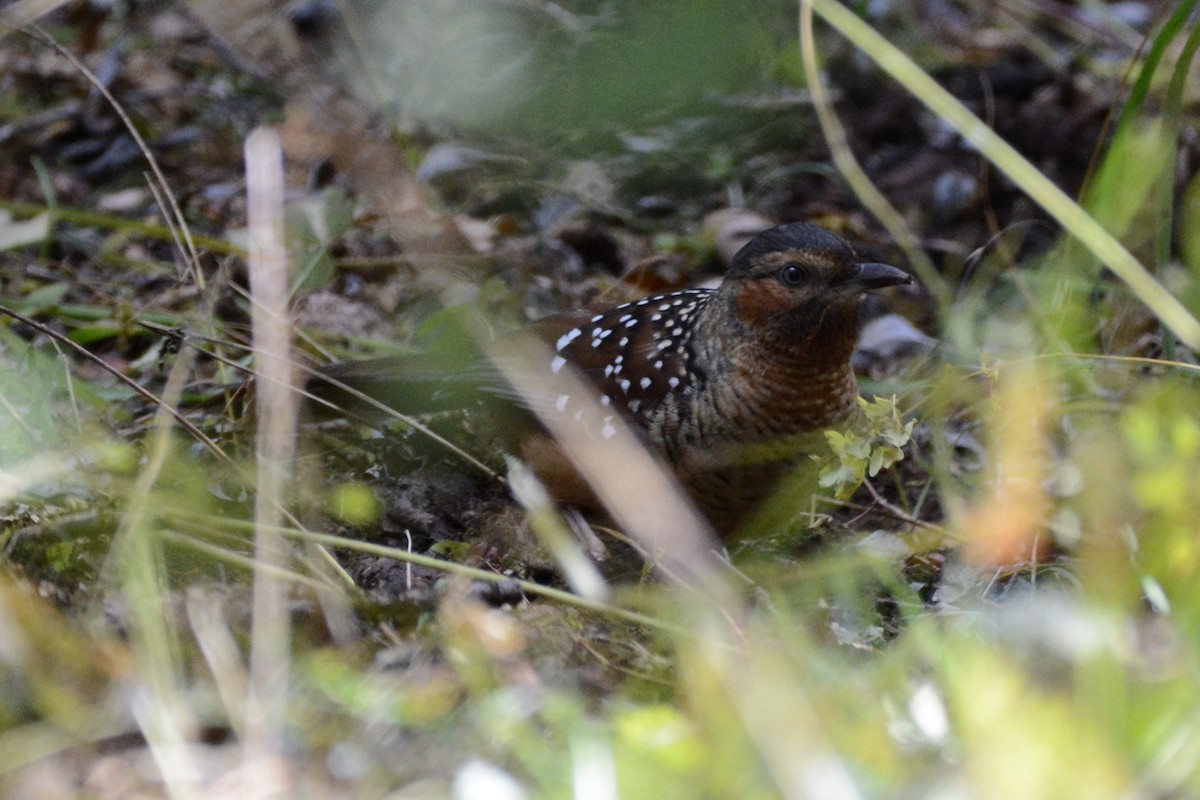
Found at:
<point>675,100</point>
<point>592,68</point>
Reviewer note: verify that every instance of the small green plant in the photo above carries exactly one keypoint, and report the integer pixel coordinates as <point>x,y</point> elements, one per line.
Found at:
<point>867,448</point>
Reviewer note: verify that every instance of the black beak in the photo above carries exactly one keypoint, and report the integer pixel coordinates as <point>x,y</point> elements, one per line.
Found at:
<point>868,276</point>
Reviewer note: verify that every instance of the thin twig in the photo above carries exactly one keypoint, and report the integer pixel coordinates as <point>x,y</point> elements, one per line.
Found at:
<point>183,421</point>
<point>191,255</point>
<point>441,565</point>
<point>150,230</point>
<point>898,512</point>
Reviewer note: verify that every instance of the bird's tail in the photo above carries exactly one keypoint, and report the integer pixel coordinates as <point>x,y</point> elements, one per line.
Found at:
<point>410,384</point>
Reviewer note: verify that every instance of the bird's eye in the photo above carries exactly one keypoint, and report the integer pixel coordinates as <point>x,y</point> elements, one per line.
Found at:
<point>791,275</point>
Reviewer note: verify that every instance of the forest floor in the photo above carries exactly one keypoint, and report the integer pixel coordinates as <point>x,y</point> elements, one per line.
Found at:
<point>403,210</point>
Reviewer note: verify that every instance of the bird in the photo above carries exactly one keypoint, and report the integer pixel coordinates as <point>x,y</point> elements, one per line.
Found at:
<point>727,386</point>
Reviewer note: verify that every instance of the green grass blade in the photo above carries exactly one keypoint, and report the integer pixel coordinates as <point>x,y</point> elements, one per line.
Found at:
<point>1040,189</point>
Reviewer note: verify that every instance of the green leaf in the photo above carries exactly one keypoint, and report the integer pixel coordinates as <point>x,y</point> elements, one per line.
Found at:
<point>91,334</point>
<point>43,298</point>
<point>18,234</point>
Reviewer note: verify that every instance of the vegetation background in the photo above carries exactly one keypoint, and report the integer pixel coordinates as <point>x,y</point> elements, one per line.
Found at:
<point>190,608</point>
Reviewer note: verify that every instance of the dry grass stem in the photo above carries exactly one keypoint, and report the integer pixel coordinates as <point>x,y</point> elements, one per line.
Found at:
<point>277,409</point>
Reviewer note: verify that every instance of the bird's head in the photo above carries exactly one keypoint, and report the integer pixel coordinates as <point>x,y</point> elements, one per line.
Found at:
<point>799,285</point>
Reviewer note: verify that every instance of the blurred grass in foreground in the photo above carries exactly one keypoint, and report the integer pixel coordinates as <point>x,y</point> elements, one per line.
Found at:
<point>1077,679</point>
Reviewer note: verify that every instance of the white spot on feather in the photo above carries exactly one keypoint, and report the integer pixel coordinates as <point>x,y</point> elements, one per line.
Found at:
<point>567,338</point>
